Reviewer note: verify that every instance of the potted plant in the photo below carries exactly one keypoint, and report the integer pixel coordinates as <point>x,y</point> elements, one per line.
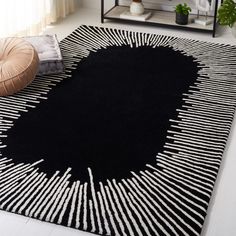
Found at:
<point>227,15</point>
<point>182,13</point>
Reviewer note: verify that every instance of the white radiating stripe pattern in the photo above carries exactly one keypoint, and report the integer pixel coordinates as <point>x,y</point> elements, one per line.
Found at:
<point>170,198</point>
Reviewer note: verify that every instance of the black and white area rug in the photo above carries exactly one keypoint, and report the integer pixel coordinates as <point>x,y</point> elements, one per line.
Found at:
<point>128,141</point>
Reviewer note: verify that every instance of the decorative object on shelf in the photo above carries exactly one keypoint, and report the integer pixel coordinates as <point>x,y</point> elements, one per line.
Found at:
<point>203,20</point>
<point>204,6</point>
<point>227,15</point>
<point>182,13</point>
<point>136,8</point>
<point>128,16</point>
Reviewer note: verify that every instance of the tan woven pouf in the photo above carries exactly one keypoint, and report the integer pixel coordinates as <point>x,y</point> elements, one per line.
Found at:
<point>18,65</point>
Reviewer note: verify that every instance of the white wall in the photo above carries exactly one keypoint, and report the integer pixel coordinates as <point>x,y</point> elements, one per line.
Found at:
<point>147,3</point>
<point>96,4</point>
<point>155,4</point>
<point>79,2</point>
<point>92,3</point>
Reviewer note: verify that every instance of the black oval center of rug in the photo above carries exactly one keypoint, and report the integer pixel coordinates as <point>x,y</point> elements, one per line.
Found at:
<point>111,116</point>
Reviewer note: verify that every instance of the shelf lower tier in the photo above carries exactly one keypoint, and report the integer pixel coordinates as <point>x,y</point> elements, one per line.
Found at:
<point>158,17</point>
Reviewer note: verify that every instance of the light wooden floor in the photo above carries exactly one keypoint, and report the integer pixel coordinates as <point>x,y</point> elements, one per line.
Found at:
<point>222,210</point>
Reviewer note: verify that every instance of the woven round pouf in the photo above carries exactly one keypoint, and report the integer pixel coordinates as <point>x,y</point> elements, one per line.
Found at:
<point>19,63</point>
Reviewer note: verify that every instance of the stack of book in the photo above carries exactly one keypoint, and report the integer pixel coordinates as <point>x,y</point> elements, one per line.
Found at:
<point>127,15</point>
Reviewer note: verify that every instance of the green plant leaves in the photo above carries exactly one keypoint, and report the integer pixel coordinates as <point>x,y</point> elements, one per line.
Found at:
<point>183,9</point>
<point>227,13</point>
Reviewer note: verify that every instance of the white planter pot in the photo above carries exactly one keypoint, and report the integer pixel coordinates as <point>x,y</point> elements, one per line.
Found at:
<point>136,8</point>
<point>233,30</point>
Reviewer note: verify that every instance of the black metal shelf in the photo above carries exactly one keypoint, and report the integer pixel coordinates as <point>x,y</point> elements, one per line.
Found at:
<point>159,18</point>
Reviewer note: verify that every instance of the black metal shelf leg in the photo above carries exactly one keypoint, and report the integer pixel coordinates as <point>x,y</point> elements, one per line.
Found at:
<point>102,11</point>
<point>215,16</point>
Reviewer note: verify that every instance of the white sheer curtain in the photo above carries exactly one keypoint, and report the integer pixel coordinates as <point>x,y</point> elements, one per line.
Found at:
<point>30,17</point>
